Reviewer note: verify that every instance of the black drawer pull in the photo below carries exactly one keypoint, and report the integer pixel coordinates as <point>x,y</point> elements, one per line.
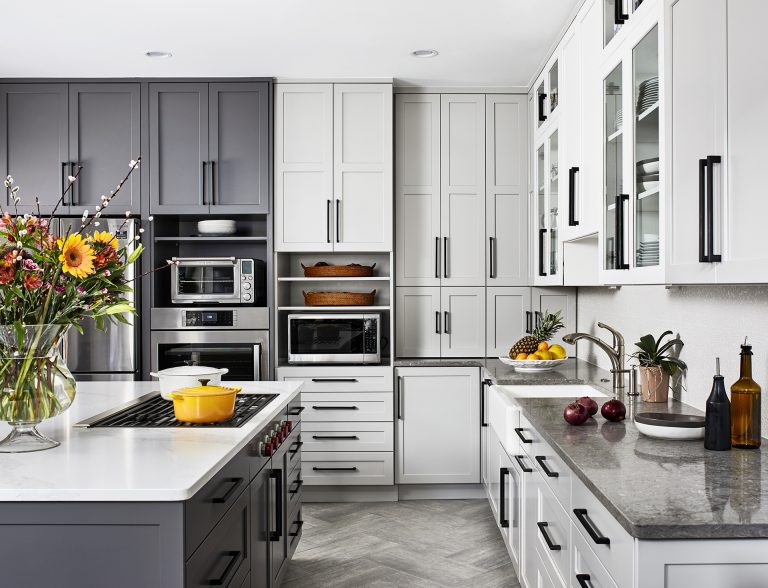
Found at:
<point>226,576</point>
<point>295,448</point>
<point>234,485</point>
<point>584,580</point>
<point>334,408</point>
<point>525,468</point>
<point>342,437</point>
<point>298,525</point>
<point>299,483</point>
<point>503,520</point>
<point>352,469</point>
<point>296,410</point>
<point>519,431</point>
<point>597,537</point>
<point>347,380</point>
<point>547,539</point>
<point>541,459</point>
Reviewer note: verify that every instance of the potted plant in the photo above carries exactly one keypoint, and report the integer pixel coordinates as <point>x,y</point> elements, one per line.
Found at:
<point>657,364</point>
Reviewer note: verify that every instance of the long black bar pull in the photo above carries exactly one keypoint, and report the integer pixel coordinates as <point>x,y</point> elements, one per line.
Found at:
<point>711,161</point>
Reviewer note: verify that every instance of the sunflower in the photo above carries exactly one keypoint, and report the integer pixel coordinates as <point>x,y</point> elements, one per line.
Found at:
<point>104,237</point>
<point>76,256</point>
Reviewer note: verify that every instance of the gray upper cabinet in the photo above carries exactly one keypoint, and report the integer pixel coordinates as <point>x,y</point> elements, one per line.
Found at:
<point>33,149</point>
<point>104,135</point>
<point>209,147</point>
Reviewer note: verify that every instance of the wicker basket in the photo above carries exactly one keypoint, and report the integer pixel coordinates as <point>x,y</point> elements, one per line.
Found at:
<point>339,298</point>
<point>338,271</point>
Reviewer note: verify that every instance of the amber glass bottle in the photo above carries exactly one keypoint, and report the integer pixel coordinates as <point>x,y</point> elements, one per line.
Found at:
<point>745,405</point>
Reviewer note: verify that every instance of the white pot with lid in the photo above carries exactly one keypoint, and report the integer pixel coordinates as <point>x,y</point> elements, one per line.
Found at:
<point>186,376</point>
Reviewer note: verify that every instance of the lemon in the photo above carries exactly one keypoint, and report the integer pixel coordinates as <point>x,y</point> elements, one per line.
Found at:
<point>545,354</point>
<point>521,356</point>
<point>558,352</point>
<point>534,356</point>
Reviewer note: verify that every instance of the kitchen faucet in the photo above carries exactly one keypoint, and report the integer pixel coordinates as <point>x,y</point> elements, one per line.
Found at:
<point>615,353</point>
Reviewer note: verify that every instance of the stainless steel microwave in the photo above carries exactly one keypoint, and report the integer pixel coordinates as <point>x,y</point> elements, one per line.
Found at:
<point>334,338</point>
<point>221,280</point>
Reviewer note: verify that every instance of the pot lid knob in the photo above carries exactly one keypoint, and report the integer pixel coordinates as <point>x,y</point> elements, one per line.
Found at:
<point>204,381</point>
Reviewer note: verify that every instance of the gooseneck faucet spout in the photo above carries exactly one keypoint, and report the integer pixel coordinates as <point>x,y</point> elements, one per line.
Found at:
<point>615,353</point>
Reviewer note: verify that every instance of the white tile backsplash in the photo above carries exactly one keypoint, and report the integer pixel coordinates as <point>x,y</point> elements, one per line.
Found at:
<point>711,320</point>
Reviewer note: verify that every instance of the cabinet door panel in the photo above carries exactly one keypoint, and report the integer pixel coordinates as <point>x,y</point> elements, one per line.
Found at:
<point>448,454</point>
<point>418,189</point>
<point>260,543</point>
<point>463,322</point>
<point>506,314</point>
<point>552,300</point>
<point>104,136</point>
<point>33,127</point>
<point>178,143</point>
<point>303,167</point>
<point>507,224</point>
<point>419,322</point>
<point>362,142</point>
<point>239,147</point>
<point>462,156</point>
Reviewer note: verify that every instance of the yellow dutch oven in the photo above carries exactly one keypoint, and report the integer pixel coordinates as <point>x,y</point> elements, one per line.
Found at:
<point>204,404</point>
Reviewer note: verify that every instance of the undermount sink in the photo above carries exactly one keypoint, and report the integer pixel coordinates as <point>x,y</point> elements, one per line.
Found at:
<point>560,391</point>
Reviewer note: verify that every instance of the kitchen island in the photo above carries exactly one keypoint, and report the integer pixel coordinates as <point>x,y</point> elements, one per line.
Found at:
<point>152,507</point>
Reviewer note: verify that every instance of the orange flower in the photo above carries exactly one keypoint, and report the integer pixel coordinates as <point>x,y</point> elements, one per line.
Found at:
<point>76,256</point>
<point>32,281</point>
<point>6,272</point>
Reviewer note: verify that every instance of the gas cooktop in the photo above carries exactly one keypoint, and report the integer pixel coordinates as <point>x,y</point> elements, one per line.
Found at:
<point>153,411</point>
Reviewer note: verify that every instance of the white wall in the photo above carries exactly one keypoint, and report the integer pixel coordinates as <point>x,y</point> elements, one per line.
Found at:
<point>711,320</point>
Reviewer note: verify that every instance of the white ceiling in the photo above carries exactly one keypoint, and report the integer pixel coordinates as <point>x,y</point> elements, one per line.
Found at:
<point>481,42</point>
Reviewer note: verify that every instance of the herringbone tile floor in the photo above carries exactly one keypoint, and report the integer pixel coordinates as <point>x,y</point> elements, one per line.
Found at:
<point>419,543</point>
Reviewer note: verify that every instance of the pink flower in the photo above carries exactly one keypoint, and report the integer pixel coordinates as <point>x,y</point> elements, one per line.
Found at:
<point>59,288</point>
<point>104,290</point>
<point>29,265</point>
<point>80,290</point>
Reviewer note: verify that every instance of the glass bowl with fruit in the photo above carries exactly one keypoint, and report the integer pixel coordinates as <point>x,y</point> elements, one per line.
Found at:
<point>534,353</point>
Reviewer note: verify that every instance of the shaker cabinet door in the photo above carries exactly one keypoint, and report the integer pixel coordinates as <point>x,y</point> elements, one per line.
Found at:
<point>463,322</point>
<point>419,322</point>
<point>33,147</point>
<point>508,313</point>
<point>104,136</point>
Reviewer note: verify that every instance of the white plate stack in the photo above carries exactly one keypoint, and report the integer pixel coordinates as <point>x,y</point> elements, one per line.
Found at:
<point>647,175</point>
<point>648,252</point>
<point>216,227</point>
<point>648,94</point>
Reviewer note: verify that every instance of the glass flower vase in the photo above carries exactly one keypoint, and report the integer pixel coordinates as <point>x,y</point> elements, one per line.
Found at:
<point>35,384</point>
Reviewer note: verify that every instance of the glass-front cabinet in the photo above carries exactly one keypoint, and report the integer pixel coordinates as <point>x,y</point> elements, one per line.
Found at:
<point>548,268</point>
<point>616,15</point>
<point>547,95</point>
<point>632,243</point>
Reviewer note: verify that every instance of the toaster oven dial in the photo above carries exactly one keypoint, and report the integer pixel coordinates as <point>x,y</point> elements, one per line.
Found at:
<point>246,286</point>
<point>247,296</point>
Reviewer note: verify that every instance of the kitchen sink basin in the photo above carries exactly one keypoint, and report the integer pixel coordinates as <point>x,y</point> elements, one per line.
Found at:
<point>561,391</point>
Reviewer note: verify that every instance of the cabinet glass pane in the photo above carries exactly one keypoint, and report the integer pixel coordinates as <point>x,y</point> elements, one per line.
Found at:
<point>552,206</point>
<point>614,16</point>
<point>541,178</point>
<point>647,169</point>
<point>614,153</point>
<point>541,104</point>
<point>553,88</point>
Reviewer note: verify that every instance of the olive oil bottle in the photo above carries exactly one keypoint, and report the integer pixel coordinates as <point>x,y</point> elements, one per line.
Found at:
<point>745,405</point>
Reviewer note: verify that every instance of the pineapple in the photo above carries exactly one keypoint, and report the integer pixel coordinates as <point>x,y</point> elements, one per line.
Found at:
<point>547,327</point>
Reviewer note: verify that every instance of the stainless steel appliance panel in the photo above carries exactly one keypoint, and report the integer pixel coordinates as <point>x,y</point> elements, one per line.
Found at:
<point>217,280</point>
<point>211,317</point>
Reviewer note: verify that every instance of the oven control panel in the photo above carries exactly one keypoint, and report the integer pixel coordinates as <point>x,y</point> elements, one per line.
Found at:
<point>210,318</point>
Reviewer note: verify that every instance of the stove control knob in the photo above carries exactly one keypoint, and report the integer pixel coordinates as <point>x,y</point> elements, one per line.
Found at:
<point>289,424</point>
<point>261,449</point>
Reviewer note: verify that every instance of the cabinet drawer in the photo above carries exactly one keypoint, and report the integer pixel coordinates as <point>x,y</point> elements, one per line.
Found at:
<point>553,536</point>
<point>208,505</point>
<point>222,559</point>
<point>529,438</point>
<point>335,379</point>
<point>351,436</point>
<point>547,575</point>
<point>293,490</point>
<point>295,445</point>
<point>586,569</point>
<point>321,407</point>
<point>295,528</point>
<point>348,468</point>
<point>597,525</point>
<point>554,472</point>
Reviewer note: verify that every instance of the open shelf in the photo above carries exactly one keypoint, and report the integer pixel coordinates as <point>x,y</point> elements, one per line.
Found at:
<point>647,193</point>
<point>332,279</point>
<point>326,308</point>
<point>230,238</point>
<point>648,112</point>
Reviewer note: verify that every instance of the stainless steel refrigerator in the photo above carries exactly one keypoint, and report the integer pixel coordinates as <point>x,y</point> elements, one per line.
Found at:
<point>111,354</point>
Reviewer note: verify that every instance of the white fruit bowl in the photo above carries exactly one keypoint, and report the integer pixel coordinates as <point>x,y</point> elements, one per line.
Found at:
<point>532,365</point>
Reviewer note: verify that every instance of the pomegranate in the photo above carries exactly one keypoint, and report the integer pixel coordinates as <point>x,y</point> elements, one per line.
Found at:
<point>614,410</point>
<point>589,404</point>
<point>575,414</point>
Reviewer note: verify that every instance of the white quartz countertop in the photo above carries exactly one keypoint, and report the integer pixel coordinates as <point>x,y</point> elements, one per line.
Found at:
<point>128,464</point>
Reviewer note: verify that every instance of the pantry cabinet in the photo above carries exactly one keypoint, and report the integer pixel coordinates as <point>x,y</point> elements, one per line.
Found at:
<point>333,167</point>
<point>450,453</point>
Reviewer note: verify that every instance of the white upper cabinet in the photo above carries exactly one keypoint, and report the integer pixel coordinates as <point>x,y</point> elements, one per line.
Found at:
<point>509,317</point>
<point>548,182</point>
<point>418,322</point>
<point>463,322</point>
<point>506,204</point>
<point>333,167</point>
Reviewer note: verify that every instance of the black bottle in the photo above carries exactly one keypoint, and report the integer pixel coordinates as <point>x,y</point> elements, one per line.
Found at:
<point>717,431</point>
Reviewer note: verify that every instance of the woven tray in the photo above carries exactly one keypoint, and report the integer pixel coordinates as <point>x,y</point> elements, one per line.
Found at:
<point>338,271</point>
<point>339,298</point>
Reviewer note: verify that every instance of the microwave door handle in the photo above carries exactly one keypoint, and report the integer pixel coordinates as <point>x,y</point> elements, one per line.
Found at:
<point>257,362</point>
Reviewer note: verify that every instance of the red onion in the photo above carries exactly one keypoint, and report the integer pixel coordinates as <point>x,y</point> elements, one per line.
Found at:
<point>575,414</point>
<point>589,404</point>
<point>614,410</point>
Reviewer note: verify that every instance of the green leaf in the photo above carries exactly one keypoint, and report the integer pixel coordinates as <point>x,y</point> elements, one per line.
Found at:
<point>115,309</point>
<point>664,334</point>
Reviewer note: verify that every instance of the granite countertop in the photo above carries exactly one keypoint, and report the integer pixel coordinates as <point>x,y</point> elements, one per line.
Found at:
<point>125,464</point>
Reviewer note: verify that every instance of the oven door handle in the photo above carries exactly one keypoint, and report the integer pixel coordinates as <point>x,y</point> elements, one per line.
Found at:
<point>257,362</point>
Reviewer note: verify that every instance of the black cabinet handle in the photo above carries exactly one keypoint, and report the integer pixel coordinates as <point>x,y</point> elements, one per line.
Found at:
<point>487,383</point>
<point>338,233</point>
<point>542,235</point>
<point>298,525</point>
<point>584,580</point>
<point>277,476</point>
<point>542,99</point>
<point>400,397</point>
<point>572,221</point>
<point>234,484</point>
<point>703,257</point>
<point>299,483</point>
<point>229,570</point>
<point>342,437</point>
<point>335,408</point>
<point>328,221</point>
<point>64,184</point>
<point>296,410</point>
<point>203,178</point>
<point>437,257</point>
<point>711,161</point>
<point>437,322</point>
<point>352,469</point>
<point>523,467</point>
<point>347,380</point>
<point>528,322</point>
<point>503,520</point>
<point>618,13</point>
<point>541,459</point>
<point>446,325</point>
<point>547,539</point>
<point>213,182</point>
<point>597,537</point>
<point>75,196</point>
<point>445,257</point>
<point>295,447</point>
<point>619,248</point>
<point>491,260</point>
<point>519,431</point>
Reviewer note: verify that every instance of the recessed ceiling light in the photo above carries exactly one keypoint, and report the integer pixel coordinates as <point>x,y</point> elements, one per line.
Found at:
<point>424,53</point>
<point>159,54</point>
